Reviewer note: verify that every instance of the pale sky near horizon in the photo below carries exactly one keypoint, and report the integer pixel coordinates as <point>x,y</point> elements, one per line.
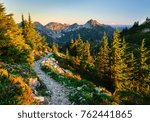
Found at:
<point>71,11</point>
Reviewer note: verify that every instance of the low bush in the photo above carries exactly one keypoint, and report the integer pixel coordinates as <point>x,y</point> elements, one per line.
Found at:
<point>13,90</point>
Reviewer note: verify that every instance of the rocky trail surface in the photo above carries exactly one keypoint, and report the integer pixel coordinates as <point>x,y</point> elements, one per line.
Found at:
<point>59,92</point>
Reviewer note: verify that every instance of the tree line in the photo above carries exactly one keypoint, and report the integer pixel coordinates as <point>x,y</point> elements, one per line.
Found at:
<point>20,45</point>
<point>114,67</point>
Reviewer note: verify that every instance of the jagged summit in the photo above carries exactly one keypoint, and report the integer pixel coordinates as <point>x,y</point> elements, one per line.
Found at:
<point>63,33</point>
<point>55,26</point>
<point>72,27</point>
<point>92,23</point>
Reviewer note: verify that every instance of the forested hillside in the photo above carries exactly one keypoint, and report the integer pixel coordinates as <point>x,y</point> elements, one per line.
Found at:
<point>114,67</point>
<point>137,32</point>
<point>19,47</point>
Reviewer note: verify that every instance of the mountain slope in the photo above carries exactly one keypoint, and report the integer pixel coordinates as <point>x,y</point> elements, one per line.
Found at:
<point>93,34</point>
<point>47,33</point>
<point>137,33</point>
<point>63,33</point>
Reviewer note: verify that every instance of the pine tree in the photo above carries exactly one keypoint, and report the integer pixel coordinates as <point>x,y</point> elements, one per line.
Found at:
<point>23,22</point>
<point>102,61</point>
<point>136,91</point>
<point>79,47</point>
<point>86,53</point>
<point>72,47</point>
<point>76,47</point>
<point>13,51</point>
<point>12,45</point>
<point>131,70</point>
<point>85,57</point>
<point>30,21</point>
<point>118,65</point>
<point>143,72</point>
<point>31,36</point>
<point>54,48</point>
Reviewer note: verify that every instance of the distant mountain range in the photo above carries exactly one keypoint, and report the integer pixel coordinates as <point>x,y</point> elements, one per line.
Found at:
<point>92,30</point>
<point>121,27</point>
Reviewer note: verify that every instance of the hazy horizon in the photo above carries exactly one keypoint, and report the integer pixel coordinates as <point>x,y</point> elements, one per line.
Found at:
<point>111,12</point>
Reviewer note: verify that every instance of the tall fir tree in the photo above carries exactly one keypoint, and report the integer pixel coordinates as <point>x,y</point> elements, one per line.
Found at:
<point>30,21</point>
<point>137,90</point>
<point>79,47</point>
<point>72,47</point>
<point>143,69</point>
<point>131,70</point>
<point>55,48</point>
<point>76,47</point>
<point>12,44</point>
<point>102,62</point>
<point>86,53</point>
<point>86,58</point>
<point>31,36</point>
<point>118,64</point>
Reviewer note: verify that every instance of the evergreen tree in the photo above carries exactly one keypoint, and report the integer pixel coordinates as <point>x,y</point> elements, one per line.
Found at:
<point>76,47</point>
<point>102,61</point>
<point>136,24</point>
<point>30,21</point>
<point>54,48</point>
<point>72,47</point>
<point>12,44</point>
<point>79,47</point>
<point>136,91</point>
<point>118,65</point>
<point>86,56</point>
<point>31,36</point>
<point>143,69</point>
<point>131,70</point>
<point>23,22</point>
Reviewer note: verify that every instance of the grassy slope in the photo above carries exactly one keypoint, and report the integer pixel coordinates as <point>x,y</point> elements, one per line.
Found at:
<point>84,92</point>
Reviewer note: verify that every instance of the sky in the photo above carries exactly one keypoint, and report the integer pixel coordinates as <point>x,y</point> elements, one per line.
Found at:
<point>114,12</point>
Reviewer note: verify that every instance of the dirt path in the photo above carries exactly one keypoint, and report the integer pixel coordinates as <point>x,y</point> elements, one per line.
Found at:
<point>59,92</point>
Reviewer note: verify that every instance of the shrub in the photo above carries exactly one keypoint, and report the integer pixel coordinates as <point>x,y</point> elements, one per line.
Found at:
<point>13,90</point>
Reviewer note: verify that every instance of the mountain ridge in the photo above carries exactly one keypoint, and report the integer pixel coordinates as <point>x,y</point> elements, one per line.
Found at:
<point>137,33</point>
<point>56,26</point>
<point>63,33</point>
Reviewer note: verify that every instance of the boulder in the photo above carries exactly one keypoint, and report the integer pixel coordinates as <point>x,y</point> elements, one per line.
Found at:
<point>33,82</point>
<point>40,99</point>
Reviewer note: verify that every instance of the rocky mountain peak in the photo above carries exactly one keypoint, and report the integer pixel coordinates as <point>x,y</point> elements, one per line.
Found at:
<point>55,26</point>
<point>92,23</point>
